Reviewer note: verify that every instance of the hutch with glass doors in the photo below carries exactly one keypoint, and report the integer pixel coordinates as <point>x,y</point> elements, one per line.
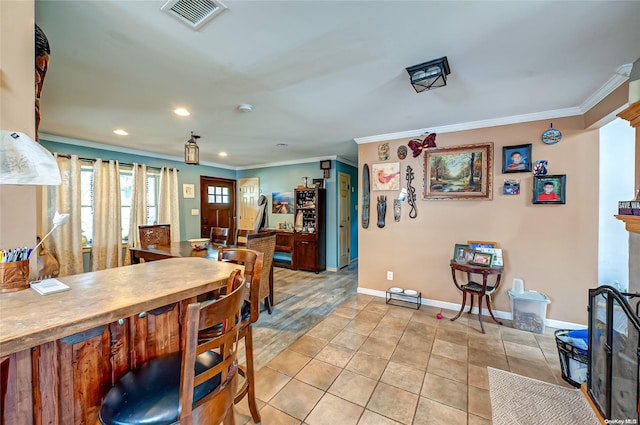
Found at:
<point>310,232</point>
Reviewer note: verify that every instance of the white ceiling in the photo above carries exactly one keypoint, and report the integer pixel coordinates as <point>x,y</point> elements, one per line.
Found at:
<point>320,74</point>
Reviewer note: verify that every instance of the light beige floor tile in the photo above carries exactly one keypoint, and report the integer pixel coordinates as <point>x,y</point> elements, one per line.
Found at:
<point>372,418</point>
<point>319,374</point>
<point>378,347</point>
<point>349,340</point>
<point>332,410</point>
<point>478,376</point>
<point>289,362</point>
<point>366,315</point>
<point>479,402</point>
<point>525,352</point>
<point>486,358</point>
<point>448,368</point>
<point>393,403</point>
<point>324,331</point>
<point>376,307</point>
<point>242,412</point>
<point>400,312</point>
<point>478,420</point>
<point>309,346</point>
<point>269,382</point>
<point>387,333</point>
<point>367,365</point>
<point>361,327</point>
<point>353,387</point>
<point>336,321</point>
<point>532,368</point>
<point>518,336</point>
<point>450,350</point>
<point>335,355</point>
<point>272,416</point>
<point>403,377</point>
<point>420,330</point>
<point>296,399</point>
<point>431,412</point>
<point>445,391</point>
<point>413,357</point>
<point>452,335</point>
<point>346,311</point>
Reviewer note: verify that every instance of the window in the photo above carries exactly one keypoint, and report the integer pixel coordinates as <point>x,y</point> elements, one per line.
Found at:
<point>218,195</point>
<point>126,189</point>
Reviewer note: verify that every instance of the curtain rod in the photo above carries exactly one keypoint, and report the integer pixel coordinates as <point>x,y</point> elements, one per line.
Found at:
<point>66,155</point>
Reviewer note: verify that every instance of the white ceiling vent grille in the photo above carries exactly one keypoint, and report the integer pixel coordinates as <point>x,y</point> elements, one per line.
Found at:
<point>194,13</point>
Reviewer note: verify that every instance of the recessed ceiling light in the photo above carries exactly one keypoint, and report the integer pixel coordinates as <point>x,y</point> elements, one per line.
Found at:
<point>182,112</point>
<point>282,145</point>
<point>222,154</point>
<point>120,132</point>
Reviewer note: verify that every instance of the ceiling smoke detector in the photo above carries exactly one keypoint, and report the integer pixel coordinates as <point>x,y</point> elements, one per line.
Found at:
<point>245,107</point>
<point>194,13</point>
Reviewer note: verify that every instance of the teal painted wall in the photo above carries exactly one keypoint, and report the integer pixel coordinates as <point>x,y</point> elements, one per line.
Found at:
<point>282,178</point>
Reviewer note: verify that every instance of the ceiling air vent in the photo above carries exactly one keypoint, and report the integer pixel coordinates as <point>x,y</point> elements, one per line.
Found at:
<point>194,13</point>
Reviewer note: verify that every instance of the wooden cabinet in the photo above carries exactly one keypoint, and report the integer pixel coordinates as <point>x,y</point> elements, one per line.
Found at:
<point>310,232</point>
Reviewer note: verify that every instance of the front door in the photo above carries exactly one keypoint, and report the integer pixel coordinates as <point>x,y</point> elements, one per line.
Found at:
<point>218,205</point>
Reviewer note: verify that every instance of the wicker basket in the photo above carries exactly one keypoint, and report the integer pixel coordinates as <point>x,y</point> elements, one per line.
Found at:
<point>14,276</point>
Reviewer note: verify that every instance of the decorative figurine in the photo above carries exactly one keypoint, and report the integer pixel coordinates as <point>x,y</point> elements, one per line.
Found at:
<point>383,151</point>
<point>382,210</point>
<point>402,152</point>
<point>411,195</point>
<point>540,169</point>
<point>365,196</point>
<point>417,145</point>
<point>396,209</point>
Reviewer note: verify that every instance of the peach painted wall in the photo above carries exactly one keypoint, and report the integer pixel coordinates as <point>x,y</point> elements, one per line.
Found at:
<point>17,96</point>
<point>552,247</point>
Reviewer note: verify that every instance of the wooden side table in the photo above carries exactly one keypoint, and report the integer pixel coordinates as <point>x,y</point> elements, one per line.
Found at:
<point>476,289</point>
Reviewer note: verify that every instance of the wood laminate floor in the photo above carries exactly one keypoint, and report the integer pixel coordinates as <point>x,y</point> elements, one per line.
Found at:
<point>330,356</point>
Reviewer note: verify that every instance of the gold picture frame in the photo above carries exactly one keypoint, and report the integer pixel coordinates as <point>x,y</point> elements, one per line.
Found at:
<point>458,172</point>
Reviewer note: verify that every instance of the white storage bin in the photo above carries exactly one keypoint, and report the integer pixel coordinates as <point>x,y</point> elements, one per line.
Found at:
<point>529,310</point>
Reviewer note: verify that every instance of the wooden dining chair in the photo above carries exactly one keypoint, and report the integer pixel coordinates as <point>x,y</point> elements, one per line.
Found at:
<point>219,235</point>
<point>194,386</point>
<point>241,237</point>
<point>155,234</point>
<point>265,242</point>
<point>253,264</point>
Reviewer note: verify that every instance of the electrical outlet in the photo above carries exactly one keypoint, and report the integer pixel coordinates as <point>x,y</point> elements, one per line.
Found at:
<point>389,275</point>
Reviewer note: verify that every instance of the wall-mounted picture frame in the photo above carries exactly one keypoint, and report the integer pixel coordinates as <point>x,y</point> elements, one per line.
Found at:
<point>516,159</point>
<point>385,176</point>
<point>482,244</point>
<point>188,190</point>
<point>481,259</point>
<point>458,172</point>
<point>282,203</point>
<point>549,189</point>
<point>319,183</point>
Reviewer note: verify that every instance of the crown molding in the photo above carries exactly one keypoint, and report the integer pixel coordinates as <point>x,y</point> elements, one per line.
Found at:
<point>472,125</point>
<point>619,77</point>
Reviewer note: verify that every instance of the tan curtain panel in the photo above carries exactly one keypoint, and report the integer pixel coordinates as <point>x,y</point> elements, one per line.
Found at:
<point>169,209</point>
<point>138,215</point>
<point>106,250</point>
<point>66,241</point>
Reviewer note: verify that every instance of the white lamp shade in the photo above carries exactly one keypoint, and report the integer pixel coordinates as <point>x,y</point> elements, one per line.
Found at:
<point>25,162</point>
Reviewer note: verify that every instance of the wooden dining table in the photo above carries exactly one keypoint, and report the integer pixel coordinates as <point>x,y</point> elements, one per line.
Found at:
<point>174,250</point>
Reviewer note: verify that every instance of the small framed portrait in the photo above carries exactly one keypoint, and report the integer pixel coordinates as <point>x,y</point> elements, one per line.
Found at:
<point>461,253</point>
<point>481,259</point>
<point>188,190</point>
<point>319,183</point>
<point>516,159</point>
<point>549,189</point>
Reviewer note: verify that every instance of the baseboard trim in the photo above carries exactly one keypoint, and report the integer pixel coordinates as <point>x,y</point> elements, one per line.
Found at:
<point>558,324</point>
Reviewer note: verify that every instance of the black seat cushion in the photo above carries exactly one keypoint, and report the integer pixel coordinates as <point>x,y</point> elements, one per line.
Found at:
<point>150,394</point>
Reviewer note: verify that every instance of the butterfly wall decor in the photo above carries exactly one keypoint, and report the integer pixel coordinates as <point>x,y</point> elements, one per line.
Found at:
<point>417,145</point>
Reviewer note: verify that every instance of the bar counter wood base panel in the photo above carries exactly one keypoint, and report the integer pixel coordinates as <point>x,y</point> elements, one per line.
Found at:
<point>61,353</point>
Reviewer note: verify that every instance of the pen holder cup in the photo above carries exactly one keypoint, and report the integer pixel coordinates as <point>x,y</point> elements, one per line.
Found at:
<point>14,276</point>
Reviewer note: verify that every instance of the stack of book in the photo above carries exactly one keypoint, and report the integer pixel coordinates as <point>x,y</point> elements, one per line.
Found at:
<point>629,207</point>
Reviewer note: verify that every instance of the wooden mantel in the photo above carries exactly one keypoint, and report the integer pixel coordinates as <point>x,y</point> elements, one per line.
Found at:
<point>632,114</point>
<point>631,222</point>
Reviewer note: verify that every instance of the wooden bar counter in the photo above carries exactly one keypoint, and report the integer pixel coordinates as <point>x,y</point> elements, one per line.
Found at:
<point>60,353</point>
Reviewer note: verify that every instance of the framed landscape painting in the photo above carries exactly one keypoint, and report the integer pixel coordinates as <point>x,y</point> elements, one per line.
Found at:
<point>458,172</point>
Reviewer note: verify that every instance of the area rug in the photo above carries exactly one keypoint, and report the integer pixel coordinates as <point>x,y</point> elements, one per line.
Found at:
<point>516,399</point>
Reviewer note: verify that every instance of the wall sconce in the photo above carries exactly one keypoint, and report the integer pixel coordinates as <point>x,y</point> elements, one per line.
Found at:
<point>191,151</point>
<point>23,161</point>
<point>429,75</point>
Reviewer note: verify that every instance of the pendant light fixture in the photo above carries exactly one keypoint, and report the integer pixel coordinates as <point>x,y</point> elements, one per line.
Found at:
<point>191,151</point>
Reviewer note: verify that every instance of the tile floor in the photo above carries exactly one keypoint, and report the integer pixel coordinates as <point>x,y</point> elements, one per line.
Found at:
<point>369,363</point>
